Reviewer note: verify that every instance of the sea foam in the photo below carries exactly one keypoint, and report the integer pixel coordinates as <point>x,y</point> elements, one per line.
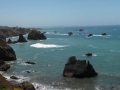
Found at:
<point>39,45</point>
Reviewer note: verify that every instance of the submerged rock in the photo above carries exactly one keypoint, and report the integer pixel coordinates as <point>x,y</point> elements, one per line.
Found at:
<point>6,52</point>
<point>14,77</point>
<point>79,69</point>
<point>36,35</point>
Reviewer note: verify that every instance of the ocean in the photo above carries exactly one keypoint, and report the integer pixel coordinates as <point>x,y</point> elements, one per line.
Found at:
<point>52,54</point>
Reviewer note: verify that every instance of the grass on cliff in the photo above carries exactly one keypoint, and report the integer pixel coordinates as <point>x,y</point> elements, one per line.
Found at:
<point>3,87</point>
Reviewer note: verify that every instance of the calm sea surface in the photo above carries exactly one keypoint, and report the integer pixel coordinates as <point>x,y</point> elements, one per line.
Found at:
<point>51,55</point>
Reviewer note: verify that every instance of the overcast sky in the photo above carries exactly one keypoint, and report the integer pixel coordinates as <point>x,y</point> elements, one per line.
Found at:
<point>39,13</point>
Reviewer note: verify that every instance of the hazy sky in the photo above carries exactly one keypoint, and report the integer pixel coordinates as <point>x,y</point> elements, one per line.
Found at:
<point>38,13</point>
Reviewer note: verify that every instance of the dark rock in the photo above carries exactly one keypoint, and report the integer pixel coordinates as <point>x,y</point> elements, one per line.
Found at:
<point>27,86</point>
<point>72,60</point>
<point>27,71</point>
<point>21,38</point>
<point>88,54</point>
<point>30,62</point>
<point>70,33</point>
<point>2,37</point>
<point>6,52</point>
<point>89,35</point>
<point>81,30</point>
<point>13,77</point>
<point>10,41</point>
<point>4,66</point>
<point>103,34</point>
<point>80,69</point>
<point>36,35</point>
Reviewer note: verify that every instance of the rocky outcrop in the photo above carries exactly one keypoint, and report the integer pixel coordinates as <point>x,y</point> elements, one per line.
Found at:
<point>4,66</point>
<point>103,34</point>
<point>21,38</point>
<point>14,77</point>
<point>70,33</point>
<point>78,68</point>
<point>27,86</point>
<point>30,62</point>
<point>36,35</point>
<point>11,42</point>
<point>88,54</point>
<point>6,52</point>
<point>81,30</point>
<point>89,35</point>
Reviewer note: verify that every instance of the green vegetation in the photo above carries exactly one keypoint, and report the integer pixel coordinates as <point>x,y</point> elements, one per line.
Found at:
<point>3,87</point>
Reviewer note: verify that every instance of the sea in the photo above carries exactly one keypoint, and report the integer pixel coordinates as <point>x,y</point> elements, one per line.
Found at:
<point>52,54</point>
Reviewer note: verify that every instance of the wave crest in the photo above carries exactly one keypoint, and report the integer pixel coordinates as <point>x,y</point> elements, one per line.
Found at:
<point>39,45</point>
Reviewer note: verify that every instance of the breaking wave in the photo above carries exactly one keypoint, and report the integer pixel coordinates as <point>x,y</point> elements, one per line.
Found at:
<point>39,45</point>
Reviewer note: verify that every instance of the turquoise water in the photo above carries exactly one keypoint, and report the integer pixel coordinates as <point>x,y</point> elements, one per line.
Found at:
<point>51,55</point>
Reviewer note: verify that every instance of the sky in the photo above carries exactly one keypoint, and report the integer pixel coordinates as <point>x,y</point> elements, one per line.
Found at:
<point>49,13</point>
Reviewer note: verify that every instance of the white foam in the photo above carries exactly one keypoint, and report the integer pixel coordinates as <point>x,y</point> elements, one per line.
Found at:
<point>97,35</point>
<point>39,45</point>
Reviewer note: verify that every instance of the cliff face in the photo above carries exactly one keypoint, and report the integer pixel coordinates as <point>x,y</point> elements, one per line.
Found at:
<point>9,32</point>
<point>6,52</point>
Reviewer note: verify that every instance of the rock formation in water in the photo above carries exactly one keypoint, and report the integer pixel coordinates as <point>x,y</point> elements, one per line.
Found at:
<point>70,33</point>
<point>103,34</point>
<point>6,52</point>
<point>89,35</point>
<point>36,35</point>
<point>21,38</point>
<point>88,54</point>
<point>78,68</point>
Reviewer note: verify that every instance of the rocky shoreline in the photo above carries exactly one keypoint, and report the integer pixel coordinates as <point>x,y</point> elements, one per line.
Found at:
<point>7,54</point>
<point>73,68</point>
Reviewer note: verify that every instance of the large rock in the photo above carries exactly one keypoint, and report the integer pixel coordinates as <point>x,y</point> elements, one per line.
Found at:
<point>4,66</point>
<point>36,35</point>
<point>21,38</point>
<point>6,52</point>
<point>27,86</point>
<point>79,69</point>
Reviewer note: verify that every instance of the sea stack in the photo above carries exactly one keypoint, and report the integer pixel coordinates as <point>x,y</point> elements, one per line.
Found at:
<point>21,38</point>
<point>36,35</point>
<point>78,68</point>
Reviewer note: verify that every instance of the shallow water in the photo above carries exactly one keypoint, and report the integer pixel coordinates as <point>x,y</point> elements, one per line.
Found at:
<point>51,55</point>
